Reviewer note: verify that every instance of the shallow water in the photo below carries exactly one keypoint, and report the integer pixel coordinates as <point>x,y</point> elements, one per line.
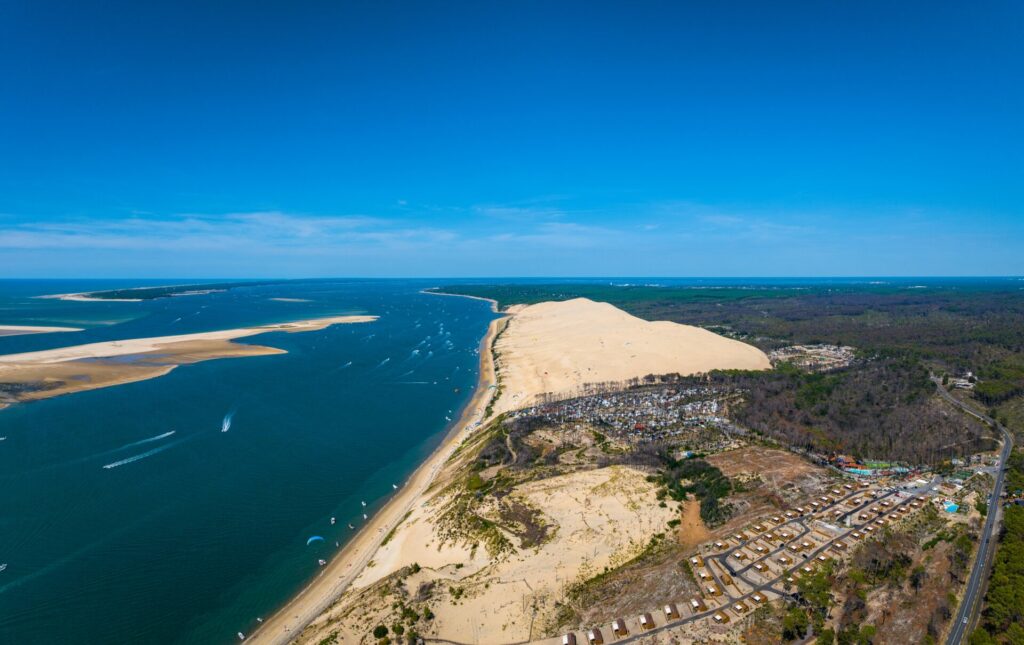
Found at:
<point>128,515</point>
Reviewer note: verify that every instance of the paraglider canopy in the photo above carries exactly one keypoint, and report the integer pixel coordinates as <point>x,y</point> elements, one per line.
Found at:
<point>313,539</point>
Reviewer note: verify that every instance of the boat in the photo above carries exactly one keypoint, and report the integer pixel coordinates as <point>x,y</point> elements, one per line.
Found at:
<point>322,562</point>
<point>241,636</point>
<point>351,527</point>
<point>364,516</point>
<point>333,521</point>
<point>3,567</point>
<point>363,503</point>
<point>395,486</point>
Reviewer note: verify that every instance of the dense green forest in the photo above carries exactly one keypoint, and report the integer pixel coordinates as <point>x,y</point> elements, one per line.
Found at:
<point>1003,617</point>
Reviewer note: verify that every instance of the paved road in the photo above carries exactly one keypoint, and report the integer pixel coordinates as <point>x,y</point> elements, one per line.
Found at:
<point>966,613</point>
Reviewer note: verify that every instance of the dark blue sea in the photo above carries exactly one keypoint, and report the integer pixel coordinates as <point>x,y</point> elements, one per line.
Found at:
<point>190,536</point>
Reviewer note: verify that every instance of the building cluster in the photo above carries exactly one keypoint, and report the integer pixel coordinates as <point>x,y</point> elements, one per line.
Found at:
<point>817,358</point>
<point>637,415</point>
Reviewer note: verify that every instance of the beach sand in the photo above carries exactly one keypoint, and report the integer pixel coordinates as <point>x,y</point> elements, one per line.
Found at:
<point>43,374</point>
<point>601,516</point>
<point>285,625</point>
<point>17,330</point>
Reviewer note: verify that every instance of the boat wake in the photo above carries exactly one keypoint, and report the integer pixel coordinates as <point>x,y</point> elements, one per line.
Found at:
<point>134,458</point>
<point>145,441</point>
<point>225,425</point>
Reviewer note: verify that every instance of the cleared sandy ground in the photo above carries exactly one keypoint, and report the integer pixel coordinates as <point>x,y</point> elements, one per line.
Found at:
<point>38,375</point>
<point>17,330</point>
<point>557,347</point>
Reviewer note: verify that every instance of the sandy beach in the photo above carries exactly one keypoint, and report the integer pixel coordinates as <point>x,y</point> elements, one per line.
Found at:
<point>286,624</point>
<point>17,330</point>
<point>549,347</point>
<point>43,374</point>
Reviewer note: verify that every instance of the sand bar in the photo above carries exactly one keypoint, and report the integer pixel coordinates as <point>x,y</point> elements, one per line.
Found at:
<point>43,374</point>
<point>17,330</point>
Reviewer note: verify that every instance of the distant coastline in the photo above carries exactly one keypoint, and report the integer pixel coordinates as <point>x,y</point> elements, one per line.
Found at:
<point>138,294</point>
<point>434,292</point>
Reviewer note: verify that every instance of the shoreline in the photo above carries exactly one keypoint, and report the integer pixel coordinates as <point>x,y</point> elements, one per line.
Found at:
<point>304,607</point>
<point>494,303</point>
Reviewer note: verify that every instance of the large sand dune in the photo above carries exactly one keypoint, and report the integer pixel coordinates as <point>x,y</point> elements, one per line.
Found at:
<point>601,515</point>
<point>557,347</point>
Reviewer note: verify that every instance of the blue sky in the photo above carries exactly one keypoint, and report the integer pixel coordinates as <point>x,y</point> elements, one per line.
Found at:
<point>222,139</point>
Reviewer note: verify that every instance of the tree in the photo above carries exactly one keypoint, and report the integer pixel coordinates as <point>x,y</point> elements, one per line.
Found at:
<point>1015,634</point>
<point>794,624</point>
<point>917,577</point>
<point>826,637</point>
<point>380,631</point>
<point>980,637</point>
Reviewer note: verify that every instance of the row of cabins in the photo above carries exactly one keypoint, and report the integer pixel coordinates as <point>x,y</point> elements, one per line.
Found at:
<point>697,605</point>
<point>671,611</point>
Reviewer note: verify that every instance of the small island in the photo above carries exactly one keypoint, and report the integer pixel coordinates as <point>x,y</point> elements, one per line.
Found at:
<point>138,294</point>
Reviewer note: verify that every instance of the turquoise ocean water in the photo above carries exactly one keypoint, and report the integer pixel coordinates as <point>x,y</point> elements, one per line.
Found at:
<point>189,533</point>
